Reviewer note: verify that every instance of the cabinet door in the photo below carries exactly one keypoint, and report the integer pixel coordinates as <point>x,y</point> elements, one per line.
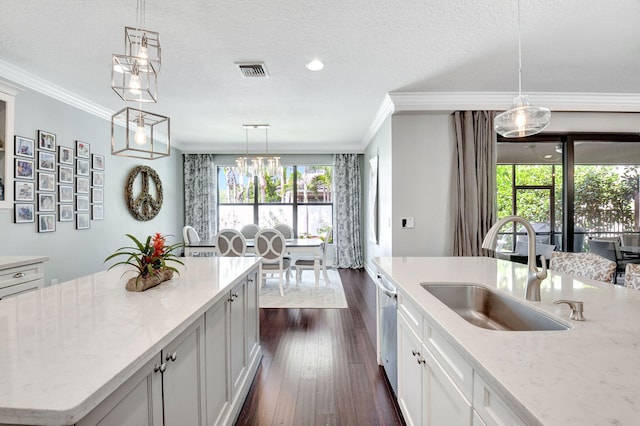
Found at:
<point>410,373</point>
<point>138,401</point>
<point>253,317</point>
<point>238,346</point>
<point>183,379</point>
<point>217,353</point>
<point>446,403</point>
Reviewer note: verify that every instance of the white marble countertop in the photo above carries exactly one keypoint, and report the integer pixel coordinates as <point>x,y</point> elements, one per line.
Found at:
<point>68,346</point>
<point>588,375</point>
<point>7,262</point>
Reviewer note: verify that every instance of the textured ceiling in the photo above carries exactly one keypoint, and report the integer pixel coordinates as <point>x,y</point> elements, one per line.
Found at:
<point>370,48</point>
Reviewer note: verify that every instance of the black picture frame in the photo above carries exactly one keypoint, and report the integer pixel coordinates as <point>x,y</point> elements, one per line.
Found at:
<point>47,161</point>
<point>46,202</point>
<point>24,191</point>
<point>46,181</point>
<point>24,213</point>
<point>97,162</point>
<point>23,147</point>
<point>82,185</point>
<point>65,155</point>
<point>65,174</point>
<point>82,203</point>
<point>65,212</point>
<point>65,193</point>
<point>83,150</point>
<point>24,169</point>
<point>82,167</point>
<point>47,222</point>
<point>83,221</point>
<point>46,140</point>
<point>97,179</point>
<point>97,212</point>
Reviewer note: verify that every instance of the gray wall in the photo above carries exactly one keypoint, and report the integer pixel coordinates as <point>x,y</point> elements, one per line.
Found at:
<point>74,253</point>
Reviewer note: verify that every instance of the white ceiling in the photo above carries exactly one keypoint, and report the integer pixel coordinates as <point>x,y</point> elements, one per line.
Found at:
<point>370,48</point>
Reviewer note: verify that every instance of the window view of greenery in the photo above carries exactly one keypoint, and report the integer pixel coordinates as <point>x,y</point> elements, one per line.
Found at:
<point>299,196</point>
<point>605,200</point>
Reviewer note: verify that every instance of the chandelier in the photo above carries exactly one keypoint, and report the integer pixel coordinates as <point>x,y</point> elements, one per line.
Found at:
<point>134,77</point>
<point>523,119</point>
<point>243,163</point>
<point>267,164</point>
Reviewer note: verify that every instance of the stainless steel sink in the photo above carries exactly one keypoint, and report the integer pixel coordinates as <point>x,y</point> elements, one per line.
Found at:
<point>488,308</point>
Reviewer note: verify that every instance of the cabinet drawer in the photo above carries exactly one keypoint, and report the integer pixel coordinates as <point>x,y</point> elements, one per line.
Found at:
<point>21,274</point>
<point>492,409</point>
<point>20,288</point>
<point>451,361</point>
<point>411,313</point>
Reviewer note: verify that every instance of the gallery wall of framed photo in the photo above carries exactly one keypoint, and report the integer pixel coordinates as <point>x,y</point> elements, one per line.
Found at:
<point>57,183</point>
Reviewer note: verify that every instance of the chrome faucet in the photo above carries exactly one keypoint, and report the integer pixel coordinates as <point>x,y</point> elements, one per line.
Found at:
<point>534,276</point>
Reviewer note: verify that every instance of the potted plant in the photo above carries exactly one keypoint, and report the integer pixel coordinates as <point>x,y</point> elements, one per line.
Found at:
<point>152,260</point>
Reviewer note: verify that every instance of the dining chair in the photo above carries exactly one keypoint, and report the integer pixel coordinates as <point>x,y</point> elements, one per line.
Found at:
<point>190,236</point>
<point>309,262</point>
<point>632,276</point>
<point>630,239</point>
<point>609,248</point>
<point>587,265</point>
<point>249,231</point>
<point>230,243</point>
<point>271,246</point>
<point>285,230</point>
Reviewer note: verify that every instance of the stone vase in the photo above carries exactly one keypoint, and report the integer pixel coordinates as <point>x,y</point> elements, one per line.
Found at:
<point>144,283</point>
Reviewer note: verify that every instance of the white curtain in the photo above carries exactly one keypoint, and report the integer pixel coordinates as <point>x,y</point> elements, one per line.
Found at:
<point>347,207</point>
<point>200,189</point>
<point>474,184</point>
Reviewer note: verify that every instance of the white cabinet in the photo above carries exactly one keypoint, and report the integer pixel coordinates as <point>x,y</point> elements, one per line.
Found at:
<point>426,394</point>
<point>18,275</point>
<point>169,387</point>
<point>492,409</point>
<point>233,351</point>
<point>7,107</point>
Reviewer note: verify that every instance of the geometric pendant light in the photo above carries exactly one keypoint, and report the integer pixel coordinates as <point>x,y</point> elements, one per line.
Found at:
<point>523,119</point>
<point>134,77</point>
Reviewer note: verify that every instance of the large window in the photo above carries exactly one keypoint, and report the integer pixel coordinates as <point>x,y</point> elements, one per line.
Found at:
<point>299,196</point>
<point>584,183</point>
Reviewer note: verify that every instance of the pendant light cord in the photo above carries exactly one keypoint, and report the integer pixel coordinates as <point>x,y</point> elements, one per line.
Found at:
<point>519,55</point>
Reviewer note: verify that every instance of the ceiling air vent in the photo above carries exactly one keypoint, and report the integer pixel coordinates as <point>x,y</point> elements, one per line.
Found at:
<point>254,70</point>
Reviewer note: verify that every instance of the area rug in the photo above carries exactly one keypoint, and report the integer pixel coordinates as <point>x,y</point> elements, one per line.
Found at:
<point>306,294</point>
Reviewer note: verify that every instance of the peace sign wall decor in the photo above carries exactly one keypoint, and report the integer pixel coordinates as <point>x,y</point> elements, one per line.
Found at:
<point>146,204</point>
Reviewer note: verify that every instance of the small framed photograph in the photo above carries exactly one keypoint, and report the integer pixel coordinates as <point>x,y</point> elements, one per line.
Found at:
<point>24,191</point>
<point>97,195</point>
<point>46,222</point>
<point>46,140</point>
<point>82,185</point>
<point>65,212</point>
<point>65,155</point>
<point>24,147</point>
<point>65,174</point>
<point>46,182</point>
<point>82,167</point>
<point>24,169</point>
<point>97,179</point>
<point>47,161</point>
<point>82,221</point>
<point>65,194</point>
<point>97,212</point>
<point>46,202</point>
<point>82,149</point>
<point>82,203</point>
<point>24,213</point>
<point>97,162</point>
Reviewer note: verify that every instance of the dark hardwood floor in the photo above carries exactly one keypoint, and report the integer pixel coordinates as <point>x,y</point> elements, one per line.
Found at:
<point>319,365</point>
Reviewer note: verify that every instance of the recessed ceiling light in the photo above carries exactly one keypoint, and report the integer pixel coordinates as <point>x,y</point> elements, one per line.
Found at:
<point>315,65</point>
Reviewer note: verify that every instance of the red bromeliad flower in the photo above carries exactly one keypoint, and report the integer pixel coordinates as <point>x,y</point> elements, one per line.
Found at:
<point>158,244</point>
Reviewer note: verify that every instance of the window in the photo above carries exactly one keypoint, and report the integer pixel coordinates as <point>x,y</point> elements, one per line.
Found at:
<point>300,196</point>
<point>584,183</point>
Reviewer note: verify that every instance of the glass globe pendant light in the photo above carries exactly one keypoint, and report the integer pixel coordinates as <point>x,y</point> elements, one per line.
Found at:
<point>523,119</point>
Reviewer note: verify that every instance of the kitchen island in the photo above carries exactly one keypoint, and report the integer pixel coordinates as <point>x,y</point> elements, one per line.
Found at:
<point>73,351</point>
<point>587,375</point>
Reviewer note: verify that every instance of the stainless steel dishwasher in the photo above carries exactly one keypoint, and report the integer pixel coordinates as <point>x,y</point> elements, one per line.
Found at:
<point>387,326</point>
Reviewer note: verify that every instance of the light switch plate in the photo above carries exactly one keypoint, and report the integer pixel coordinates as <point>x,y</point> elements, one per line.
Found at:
<point>407,223</point>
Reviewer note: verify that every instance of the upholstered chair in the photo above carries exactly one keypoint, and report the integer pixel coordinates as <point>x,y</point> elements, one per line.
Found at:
<point>587,265</point>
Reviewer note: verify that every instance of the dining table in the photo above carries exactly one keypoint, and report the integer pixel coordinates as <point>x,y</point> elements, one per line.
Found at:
<point>294,245</point>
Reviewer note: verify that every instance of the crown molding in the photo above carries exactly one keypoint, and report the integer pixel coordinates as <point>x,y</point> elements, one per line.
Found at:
<point>38,84</point>
<point>500,101</point>
<point>448,102</point>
